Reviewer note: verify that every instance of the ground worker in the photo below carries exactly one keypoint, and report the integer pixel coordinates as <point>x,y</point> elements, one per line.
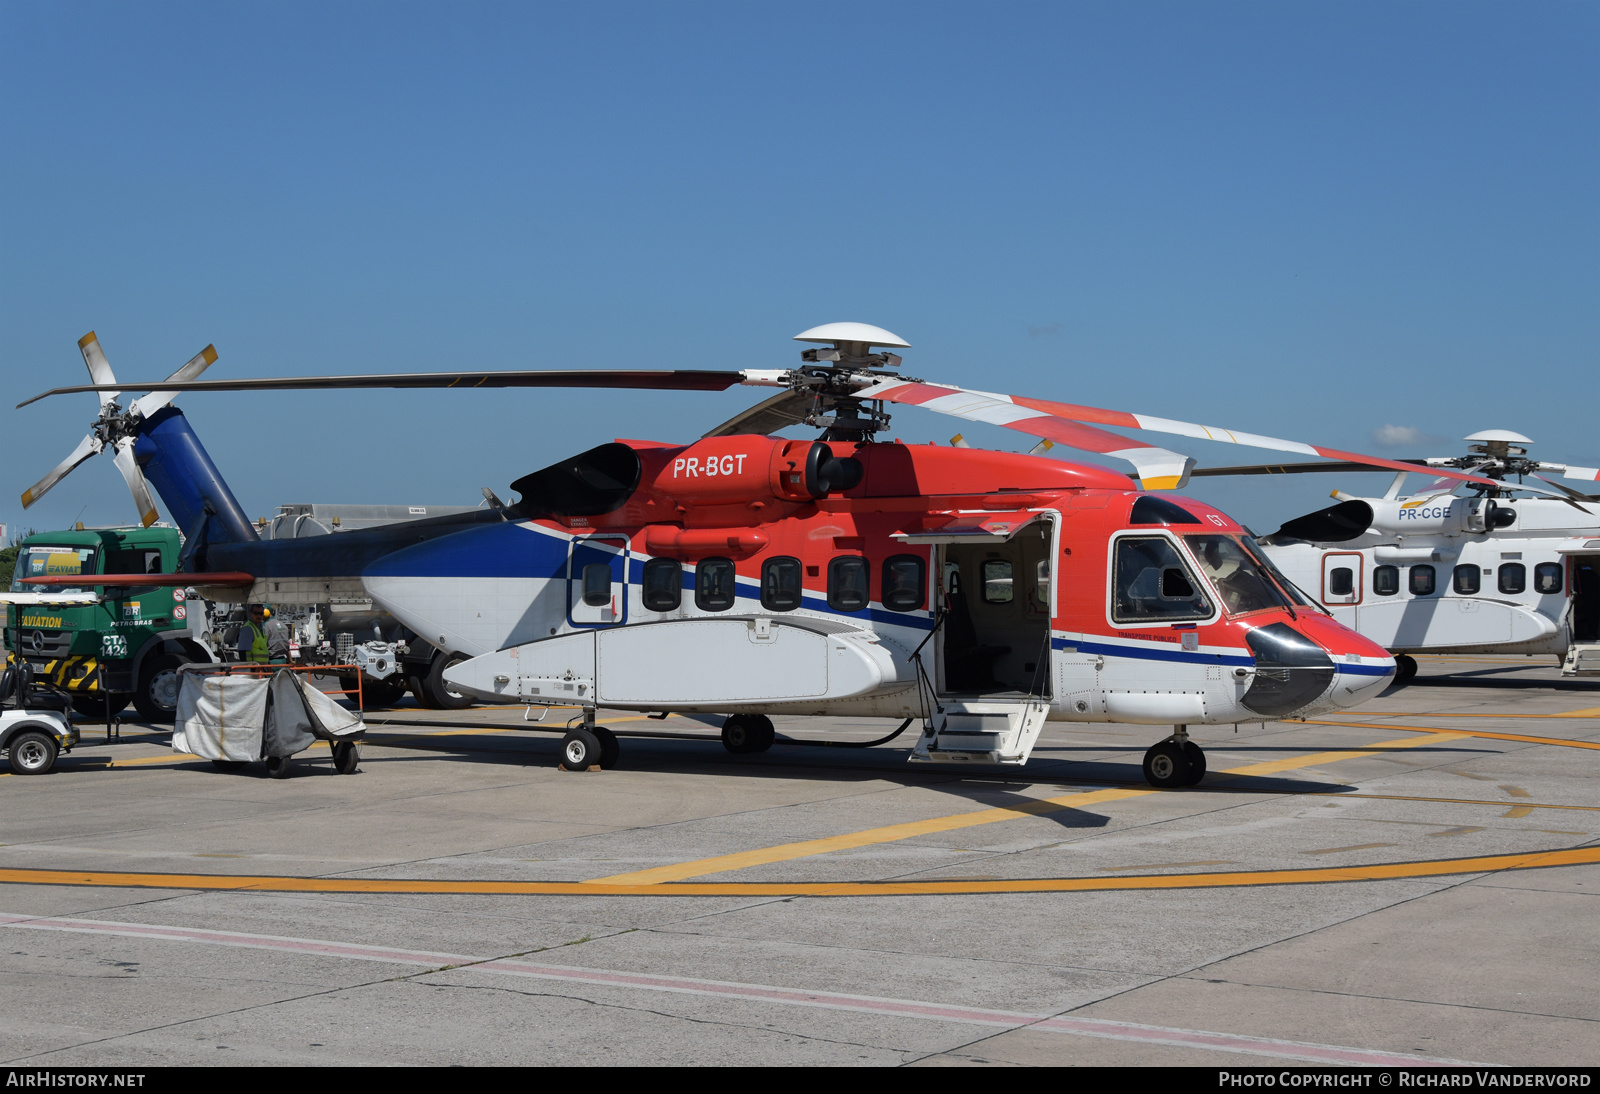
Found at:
<point>262,639</point>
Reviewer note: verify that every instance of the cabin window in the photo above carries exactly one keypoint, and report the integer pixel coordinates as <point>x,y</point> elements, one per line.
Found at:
<point>713,584</point>
<point>1041,585</point>
<point>663,584</point>
<point>780,584</point>
<point>1465,580</point>
<point>1547,577</point>
<point>1422,581</point>
<point>1153,510</point>
<point>847,583</point>
<point>597,584</point>
<point>904,583</point>
<point>1150,582</point>
<point>1386,580</point>
<point>1513,577</point>
<point>1341,581</point>
<point>1236,577</point>
<point>131,561</point>
<point>997,581</point>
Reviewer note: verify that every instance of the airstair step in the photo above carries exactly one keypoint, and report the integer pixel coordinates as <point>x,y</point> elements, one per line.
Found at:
<point>1002,733</point>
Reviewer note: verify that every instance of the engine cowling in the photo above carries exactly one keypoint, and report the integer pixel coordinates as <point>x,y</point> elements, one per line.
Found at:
<point>724,470</point>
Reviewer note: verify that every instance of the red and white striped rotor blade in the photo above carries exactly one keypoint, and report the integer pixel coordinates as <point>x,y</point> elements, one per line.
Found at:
<point>1158,469</point>
<point>1122,418</point>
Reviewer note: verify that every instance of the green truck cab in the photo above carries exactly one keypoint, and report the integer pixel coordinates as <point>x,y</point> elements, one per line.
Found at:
<point>103,640</point>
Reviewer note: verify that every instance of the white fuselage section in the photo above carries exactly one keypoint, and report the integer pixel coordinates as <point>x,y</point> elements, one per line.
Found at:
<point>1428,576</point>
<point>534,633</point>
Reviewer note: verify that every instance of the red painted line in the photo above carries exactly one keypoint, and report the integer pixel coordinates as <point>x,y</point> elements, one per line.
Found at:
<point>759,993</point>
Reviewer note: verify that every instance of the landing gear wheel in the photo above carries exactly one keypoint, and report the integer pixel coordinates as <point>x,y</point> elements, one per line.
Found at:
<point>1166,766</point>
<point>741,733</point>
<point>32,753</point>
<point>1197,763</point>
<point>346,760</point>
<point>443,697</point>
<point>610,747</point>
<point>93,706</point>
<point>1405,668</point>
<point>764,733</point>
<point>227,765</point>
<point>580,749</point>
<point>417,684</point>
<point>156,697</point>
<point>278,767</point>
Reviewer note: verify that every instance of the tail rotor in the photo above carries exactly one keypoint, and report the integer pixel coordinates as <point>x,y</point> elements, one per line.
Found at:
<point>118,428</point>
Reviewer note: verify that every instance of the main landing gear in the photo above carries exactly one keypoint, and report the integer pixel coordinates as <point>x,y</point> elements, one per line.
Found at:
<point>1405,667</point>
<point>1176,761</point>
<point>589,746</point>
<point>748,733</point>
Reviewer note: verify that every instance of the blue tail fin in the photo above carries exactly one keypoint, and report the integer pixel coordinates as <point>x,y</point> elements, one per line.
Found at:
<point>197,499</point>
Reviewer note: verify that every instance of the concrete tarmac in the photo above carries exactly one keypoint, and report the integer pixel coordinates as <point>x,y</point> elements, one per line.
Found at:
<point>1409,882</point>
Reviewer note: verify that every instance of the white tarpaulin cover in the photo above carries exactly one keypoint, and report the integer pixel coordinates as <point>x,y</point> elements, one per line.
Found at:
<point>247,717</point>
<point>220,717</point>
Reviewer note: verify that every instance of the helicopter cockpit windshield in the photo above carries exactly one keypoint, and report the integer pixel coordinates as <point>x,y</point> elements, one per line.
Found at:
<point>1238,579</point>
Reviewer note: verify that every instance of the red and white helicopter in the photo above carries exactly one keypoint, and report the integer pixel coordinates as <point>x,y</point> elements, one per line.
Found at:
<point>745,574</point>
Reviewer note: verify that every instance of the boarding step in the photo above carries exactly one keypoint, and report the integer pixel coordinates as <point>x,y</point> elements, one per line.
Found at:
<point>1582,661</point>
<point>984,733</point>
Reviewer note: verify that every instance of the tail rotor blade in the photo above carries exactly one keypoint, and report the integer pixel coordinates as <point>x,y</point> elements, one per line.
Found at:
<point>87,447</point>
<point>143,500</point>
<point>99,367</point>
<point>147,405</point>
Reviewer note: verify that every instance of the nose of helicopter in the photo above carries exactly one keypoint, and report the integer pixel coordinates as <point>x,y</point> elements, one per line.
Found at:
<point>1362,668</point>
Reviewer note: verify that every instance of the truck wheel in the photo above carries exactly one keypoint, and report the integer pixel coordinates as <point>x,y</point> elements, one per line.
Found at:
<point>375,694</point>
<point>443,697</point>
<point>156,698</point>
<point>32,753</point>
<point>417,684</point>
<point>92,705</point>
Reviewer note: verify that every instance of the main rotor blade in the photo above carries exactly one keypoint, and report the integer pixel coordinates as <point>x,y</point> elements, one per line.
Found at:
<point>664,380</point>
<point>87,447</point>
<point>1158,468</point>
<point>1567,471</point>
<point>768,416</point>
<point>143,500</point>
<point>1297,468</point>
<point>1101,416</point>
<point>99,368</point>
<point>149,404</point>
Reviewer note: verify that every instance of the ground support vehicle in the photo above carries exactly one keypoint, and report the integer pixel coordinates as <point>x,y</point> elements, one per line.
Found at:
<point>101,641</point>
<point>31,734</point>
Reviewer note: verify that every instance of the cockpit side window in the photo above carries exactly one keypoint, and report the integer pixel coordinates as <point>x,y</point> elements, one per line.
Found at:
<point>1241,584</point>
<point>1150,582</point>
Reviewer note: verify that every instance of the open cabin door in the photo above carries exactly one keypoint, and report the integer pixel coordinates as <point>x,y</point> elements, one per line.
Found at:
<point>597,581</point>
<point>992,655</point>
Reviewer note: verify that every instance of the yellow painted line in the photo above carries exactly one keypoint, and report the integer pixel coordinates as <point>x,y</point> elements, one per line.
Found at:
<point>1454,801</point>
<point>1533,860</point>
<point>1561,742</point>
<point>806,848</point>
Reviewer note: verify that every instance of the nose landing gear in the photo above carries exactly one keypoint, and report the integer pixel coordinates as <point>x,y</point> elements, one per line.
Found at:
<point>1176,761</point>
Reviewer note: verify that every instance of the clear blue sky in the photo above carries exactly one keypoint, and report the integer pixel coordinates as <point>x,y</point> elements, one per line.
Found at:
<point>1309,220</point>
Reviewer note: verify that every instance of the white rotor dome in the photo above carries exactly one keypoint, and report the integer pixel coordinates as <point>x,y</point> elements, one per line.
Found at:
<point>1499,435</point>
<point>864,333</point>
